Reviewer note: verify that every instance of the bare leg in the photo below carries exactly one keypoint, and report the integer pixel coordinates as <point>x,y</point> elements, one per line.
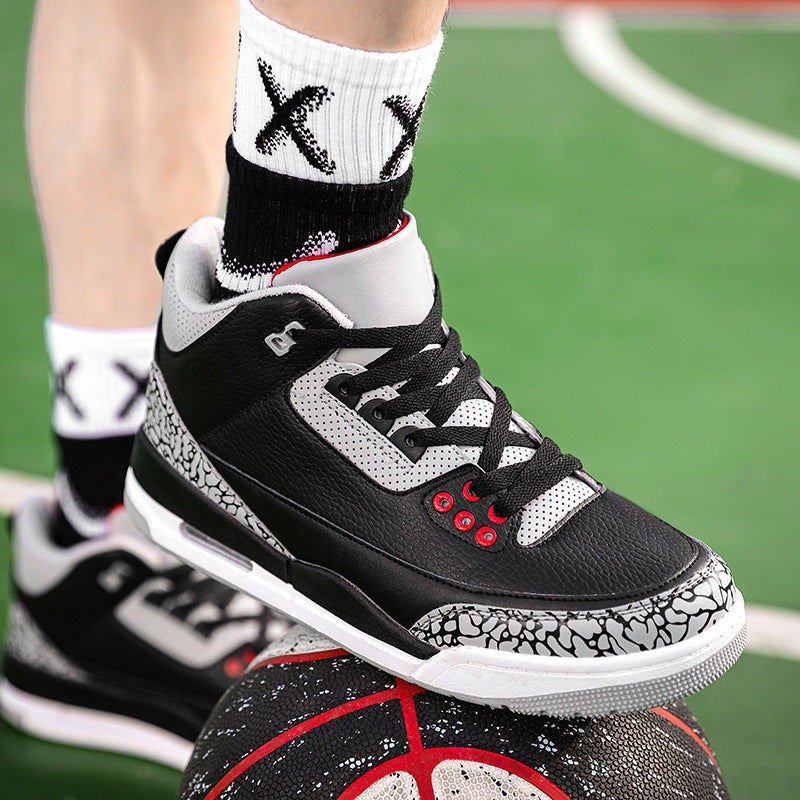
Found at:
<point>129,105</point>
<point>387,26</point>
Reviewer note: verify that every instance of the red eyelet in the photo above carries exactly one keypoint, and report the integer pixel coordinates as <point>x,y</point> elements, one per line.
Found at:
<point>234,666</point>
<point>494,517</point>
<point>485,536</point>
<point>443,502</point>
<point>464,520</point>
<point>467,494</point>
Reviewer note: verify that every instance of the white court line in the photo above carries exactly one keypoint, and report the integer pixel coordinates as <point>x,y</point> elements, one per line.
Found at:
<point>771,631</point>
<point>591,40</point>
<point>16,486</point>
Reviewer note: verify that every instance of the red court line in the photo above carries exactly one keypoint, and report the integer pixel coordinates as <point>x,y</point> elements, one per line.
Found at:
<point>755,5</point>
<point>662,712</point>
<point>652,9</point>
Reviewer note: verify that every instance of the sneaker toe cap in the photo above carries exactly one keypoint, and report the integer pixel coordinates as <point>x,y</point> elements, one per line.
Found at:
<point>695,604</point>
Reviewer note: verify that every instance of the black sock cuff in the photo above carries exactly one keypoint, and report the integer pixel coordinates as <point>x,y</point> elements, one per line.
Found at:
<point>345,198</point>
<point>265,205</point>
<point>96,468</point>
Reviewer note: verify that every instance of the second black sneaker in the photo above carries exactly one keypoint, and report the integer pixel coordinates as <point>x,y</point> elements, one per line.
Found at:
<point>113,645</point>
<point>326,446</point>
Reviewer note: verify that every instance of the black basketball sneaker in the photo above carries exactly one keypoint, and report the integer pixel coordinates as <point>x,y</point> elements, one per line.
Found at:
<point>310,720</point>
<point>325,446</point>
<point>113,645</point>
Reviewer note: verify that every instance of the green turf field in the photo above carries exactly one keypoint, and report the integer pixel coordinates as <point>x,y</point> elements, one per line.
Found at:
<point>653,282</point>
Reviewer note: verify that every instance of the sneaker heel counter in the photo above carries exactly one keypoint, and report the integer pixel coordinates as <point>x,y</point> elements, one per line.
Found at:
<point>29,532</point>
<point>164,251</point>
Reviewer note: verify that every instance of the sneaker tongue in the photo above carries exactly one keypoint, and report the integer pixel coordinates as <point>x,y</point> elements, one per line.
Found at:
<point>385,284</point>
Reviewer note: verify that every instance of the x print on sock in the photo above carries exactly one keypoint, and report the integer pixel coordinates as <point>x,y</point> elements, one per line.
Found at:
<point>289,120</point>
<point>61,391</point>
<point>139,388</point>
<point>409,119</point>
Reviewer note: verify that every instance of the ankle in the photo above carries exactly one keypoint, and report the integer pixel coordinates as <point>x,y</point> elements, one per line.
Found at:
<point>274,220</point>
<point>320,155</point>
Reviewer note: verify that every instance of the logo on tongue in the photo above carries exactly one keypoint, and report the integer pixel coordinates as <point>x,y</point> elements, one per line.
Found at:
<point>280,343</point>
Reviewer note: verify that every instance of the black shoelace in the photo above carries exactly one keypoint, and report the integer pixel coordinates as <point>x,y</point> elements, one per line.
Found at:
<point>421,371</point>
<point>190,589</point>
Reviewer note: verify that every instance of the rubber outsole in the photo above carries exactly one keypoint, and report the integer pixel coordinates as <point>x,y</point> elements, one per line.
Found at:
<point>86,727</point>
<point>634,697</point>
<point>532,684</point>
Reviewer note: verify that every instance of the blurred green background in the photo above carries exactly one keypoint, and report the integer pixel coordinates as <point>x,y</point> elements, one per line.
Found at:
<point>635,294</point>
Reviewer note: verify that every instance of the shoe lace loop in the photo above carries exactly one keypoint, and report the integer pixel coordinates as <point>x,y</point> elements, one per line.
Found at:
<point>418,361</point>
<point>191,589</point>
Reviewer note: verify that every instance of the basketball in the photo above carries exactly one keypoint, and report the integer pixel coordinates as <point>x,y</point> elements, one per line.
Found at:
<point>308,720</point>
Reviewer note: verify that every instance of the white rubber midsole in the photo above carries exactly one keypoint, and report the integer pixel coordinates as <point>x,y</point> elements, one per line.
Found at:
<point>472,673</point>
<point>86,727</point>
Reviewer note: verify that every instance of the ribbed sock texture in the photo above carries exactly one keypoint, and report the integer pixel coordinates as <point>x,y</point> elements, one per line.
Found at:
<point>276,219</point>
<point>320,155</point>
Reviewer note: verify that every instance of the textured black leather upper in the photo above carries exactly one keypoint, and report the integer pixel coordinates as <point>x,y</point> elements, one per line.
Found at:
<point>77,615</point>
<point>232,392</point>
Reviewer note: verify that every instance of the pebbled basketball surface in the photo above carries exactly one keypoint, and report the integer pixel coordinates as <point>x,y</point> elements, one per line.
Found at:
<point>322,725</point>
<point>654,280</point>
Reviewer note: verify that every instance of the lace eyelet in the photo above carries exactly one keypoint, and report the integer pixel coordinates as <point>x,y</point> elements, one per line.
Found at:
<point>464,520</point>
<point>443,502</point>
<point>485,536</point>
<point>340,389</point>
<point>372,412</point>
<point>403,439</point>
<point>467,494</point>
<point>494,516</point>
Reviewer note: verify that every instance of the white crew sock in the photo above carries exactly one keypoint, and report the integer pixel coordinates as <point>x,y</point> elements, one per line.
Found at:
<point>315,110</point>
<point>98,378</point>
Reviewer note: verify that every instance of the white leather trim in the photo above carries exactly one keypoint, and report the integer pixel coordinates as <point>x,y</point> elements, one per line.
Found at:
<point>298,639</point>
<point>187,309</point>
<point>40,564</point>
